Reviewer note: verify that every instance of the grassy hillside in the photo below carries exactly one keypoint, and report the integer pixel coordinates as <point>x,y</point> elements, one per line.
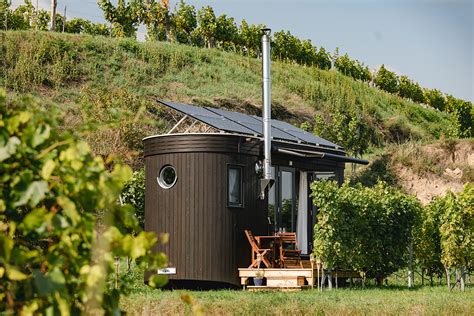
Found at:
<point>105,89</point>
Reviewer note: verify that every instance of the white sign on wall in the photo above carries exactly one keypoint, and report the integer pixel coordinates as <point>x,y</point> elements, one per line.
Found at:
<point>167,271</point>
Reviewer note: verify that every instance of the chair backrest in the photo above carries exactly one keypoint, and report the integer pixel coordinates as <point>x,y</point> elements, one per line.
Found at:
<point>251,239</point>
<point>289,238</point>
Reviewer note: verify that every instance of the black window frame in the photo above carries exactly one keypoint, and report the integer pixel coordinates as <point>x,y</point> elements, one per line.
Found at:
<point>242,197</point>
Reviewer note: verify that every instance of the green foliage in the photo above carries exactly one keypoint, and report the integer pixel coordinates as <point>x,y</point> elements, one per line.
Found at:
<point>365,229</point>
<point>155,16</point>
<point>81,26</point>
<point>124,17</point>
<point>347,128</point>
<point>134,194</point>
<point>207,25</point>
<point>463,115</point>
<point>56,256</point>
<point>109,87</point>
<point>427,238</point>
<point>226,32</point>
<point>410,90</point>
<point>185,20</point>
<point>435,99</point>
<point>445,237</point>
<point>386,80</point>
<point>352,68</point>
<point>250,38</point>
<point>457,228</point>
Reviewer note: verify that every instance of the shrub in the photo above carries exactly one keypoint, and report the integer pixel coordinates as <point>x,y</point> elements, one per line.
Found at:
<point>386,80</point>
<point>365,229</point>
<point>134,194</point>
<point>55,254</point>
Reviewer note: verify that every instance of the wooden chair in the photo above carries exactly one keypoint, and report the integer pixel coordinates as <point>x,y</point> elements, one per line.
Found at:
<point>258,254</point>
<point>292,253</point>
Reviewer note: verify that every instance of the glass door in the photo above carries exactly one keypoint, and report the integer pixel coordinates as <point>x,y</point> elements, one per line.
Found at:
<point>282,200</point>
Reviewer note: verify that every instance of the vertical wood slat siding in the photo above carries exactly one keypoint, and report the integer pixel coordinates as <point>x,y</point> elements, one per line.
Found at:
<point>206,237</point>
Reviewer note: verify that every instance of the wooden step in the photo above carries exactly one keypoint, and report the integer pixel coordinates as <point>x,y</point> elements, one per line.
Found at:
<point>263,288</point>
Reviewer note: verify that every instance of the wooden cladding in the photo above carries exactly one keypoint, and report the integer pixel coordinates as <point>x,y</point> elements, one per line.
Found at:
<point>206,237</point>
<point>219,143</point>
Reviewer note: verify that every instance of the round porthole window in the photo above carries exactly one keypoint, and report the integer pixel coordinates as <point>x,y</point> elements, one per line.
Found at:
<point>167,177</point>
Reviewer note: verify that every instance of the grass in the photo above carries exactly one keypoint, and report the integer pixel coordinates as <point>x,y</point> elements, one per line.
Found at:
<point>384,301</point>
<point>105,89</point>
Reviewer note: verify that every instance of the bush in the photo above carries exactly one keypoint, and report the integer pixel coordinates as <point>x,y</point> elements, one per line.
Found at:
<point>386,80</point>
<point>446,235</point>
<point>55,255</point>
<point>134,194</point>
<point>364,229</point>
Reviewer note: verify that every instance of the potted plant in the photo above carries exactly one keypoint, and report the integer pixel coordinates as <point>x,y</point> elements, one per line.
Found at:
<point>258,279</point>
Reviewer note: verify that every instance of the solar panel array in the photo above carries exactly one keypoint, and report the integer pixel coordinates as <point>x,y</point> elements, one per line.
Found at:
<point>240,123</point>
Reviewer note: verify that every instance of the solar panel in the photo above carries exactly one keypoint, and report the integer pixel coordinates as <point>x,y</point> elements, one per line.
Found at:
<point>248,124</point>
<point>204,115</point>
<point>304,136</point>
<point>254,123</point>
<point>240,118</point>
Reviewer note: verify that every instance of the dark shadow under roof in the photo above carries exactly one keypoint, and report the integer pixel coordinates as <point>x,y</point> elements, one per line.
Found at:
<point>240,123</point>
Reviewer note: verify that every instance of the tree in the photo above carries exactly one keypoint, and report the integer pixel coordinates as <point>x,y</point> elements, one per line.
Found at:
<point>427,239</point>
<point>323,59</point>
<point>365,229</point>
<point>386,80</point>
<point>154,17</point>
<point>249,36</point>
<point>185,20</point>
<point>207,25</point>
<point>457,231</point>
<point>435,99</point>
<point>226,32</point>
<point>288,47</point>
<point>134,194</point>
<point>124,18</point>
<point>21,17</point>
<point>345,126</point>
<point>56,255</point>
<point>410,90</point>
<point>5,13</point>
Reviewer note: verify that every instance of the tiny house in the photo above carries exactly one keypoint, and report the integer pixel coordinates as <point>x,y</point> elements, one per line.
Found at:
<point>217,173</point>
<point>204,187</point>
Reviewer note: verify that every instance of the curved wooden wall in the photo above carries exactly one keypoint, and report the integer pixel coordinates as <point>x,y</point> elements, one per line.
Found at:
<point>207,242</point>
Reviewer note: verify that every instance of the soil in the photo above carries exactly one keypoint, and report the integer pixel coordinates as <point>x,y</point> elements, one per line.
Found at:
<point>456,166</point>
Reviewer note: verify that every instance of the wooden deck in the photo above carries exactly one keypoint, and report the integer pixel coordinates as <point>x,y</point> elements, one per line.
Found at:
<point>289,279</point>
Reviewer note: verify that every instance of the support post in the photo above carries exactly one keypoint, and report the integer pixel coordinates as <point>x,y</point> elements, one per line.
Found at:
<point>64,18</point>
<point>330,278</point>
<point>36,26</point>
<point>410,263</point>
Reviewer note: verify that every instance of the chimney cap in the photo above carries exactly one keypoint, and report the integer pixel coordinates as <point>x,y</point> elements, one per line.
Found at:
<point>266,30</point>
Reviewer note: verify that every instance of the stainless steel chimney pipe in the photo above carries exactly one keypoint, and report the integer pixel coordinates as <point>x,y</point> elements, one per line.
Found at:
<point>267,103</point>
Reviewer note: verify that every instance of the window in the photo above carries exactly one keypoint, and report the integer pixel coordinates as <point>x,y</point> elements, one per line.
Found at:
<point>167,177</point>
<point>234,186</point>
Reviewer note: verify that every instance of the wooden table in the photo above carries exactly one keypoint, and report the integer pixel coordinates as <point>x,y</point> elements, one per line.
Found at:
<point>273,239</point>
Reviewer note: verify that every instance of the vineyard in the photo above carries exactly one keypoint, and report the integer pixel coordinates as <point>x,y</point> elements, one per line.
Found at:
<point>75,107</point>
<point>202,28</point>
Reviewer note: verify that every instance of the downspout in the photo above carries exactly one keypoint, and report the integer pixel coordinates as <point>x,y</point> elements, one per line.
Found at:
<point>267,113</point>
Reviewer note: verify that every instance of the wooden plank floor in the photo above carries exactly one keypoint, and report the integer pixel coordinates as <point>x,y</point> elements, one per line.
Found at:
<point>291,278</point>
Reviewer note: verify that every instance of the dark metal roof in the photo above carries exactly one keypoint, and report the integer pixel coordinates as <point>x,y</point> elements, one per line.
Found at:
<point>248,124</point>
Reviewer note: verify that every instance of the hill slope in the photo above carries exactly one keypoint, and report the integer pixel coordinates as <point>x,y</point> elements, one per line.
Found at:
<point>424,170</point>
<point>105,89</point>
